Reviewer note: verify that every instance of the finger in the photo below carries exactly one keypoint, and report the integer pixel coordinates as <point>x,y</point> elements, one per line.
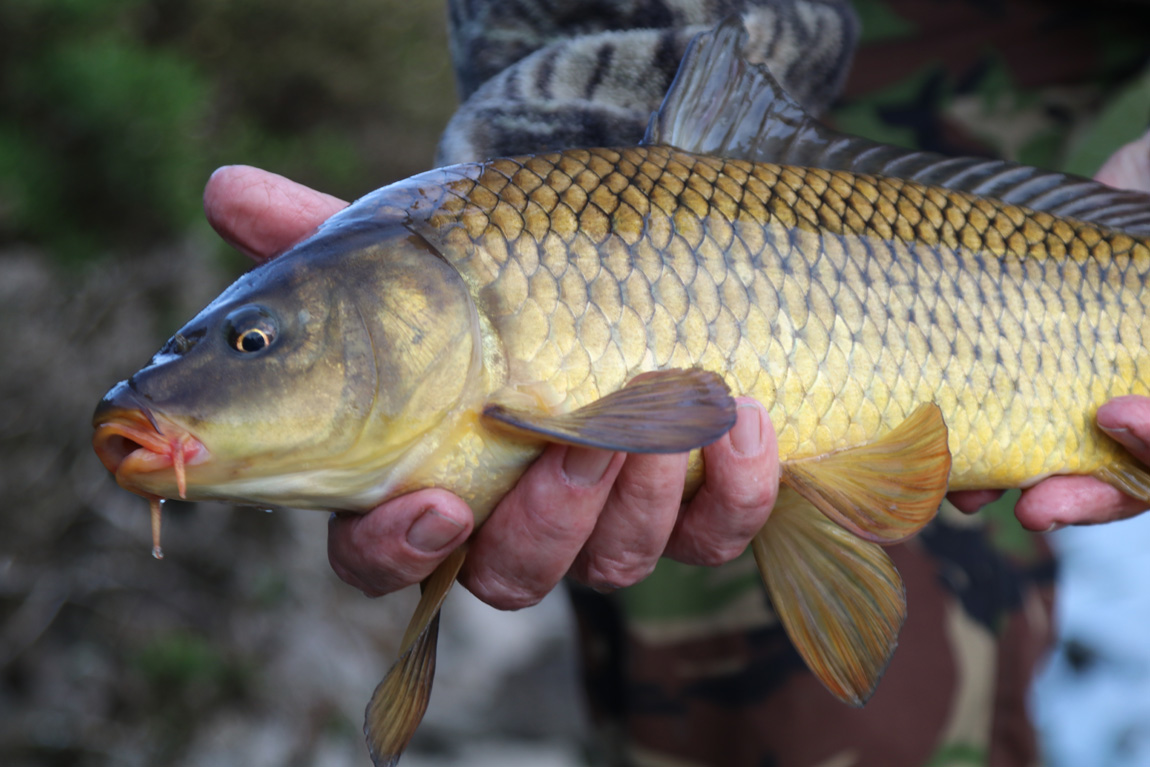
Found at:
<point>970,501</point>
<point>262,214</point>
<point>741,485</point>
<point>399,543</point>
<point>531,539</point>
<point>1059,501</point>
<point>1127,420</point>
<point>635,524</point>
<point>1129,167</point>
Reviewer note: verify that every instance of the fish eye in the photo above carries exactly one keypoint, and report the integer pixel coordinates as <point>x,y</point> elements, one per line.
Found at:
<point>250,329</point>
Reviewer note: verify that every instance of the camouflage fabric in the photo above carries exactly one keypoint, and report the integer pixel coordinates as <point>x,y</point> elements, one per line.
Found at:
<point>1043,82</point>
<point>691,667</point>
<point>710,677</point>
<point>562,74</point>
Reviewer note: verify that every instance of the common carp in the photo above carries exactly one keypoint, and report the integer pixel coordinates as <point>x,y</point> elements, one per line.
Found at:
<point>912,323</point>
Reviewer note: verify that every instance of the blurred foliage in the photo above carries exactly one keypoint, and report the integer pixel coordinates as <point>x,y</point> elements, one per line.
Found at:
<point>1005,530</point>
<point>114,112</point>
<point>1122,120</point>
<point>186,676</point>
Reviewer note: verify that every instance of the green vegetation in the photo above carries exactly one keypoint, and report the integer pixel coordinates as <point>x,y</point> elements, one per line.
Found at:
<point>114,112</point>
<point>185,678</point>
<point>179,663</point>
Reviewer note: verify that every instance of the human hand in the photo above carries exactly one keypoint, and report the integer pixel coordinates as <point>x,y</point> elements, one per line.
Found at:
<point>1059,501</point>
<point>604,517</point>
<point>1129,167</point>
<point>1078,500</point>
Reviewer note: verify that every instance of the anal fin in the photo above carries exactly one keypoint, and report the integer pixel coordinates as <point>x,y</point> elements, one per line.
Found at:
<point>840,598</point>
<point>664,411</point>
<point>884,491</point>
<point>400,700</point>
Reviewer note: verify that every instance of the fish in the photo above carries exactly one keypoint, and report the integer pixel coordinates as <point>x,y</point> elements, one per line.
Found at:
<point>913,323</point>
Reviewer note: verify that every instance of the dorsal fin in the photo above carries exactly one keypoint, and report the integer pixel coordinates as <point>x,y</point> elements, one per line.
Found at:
<point>721,104</point>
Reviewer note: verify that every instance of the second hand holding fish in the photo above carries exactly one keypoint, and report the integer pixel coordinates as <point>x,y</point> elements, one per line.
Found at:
<point>510,566</point>
<point>1060,501</point>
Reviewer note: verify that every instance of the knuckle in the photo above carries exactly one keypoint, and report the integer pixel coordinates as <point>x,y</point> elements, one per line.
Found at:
<point>374,572</point>
<point>515,601</point>
<point>642,493</point>
<point>718,553</point>
<point>703,540</point>
<point>501,594</point>
<point>649,487</point>
<point>726,520</point>
<point>706,553</point>
<point>547,525</point>
<point>613,571</point>
<point>371,583</point>
<point>749,495</point>
<point>344,573</point>
<point>740,530</point>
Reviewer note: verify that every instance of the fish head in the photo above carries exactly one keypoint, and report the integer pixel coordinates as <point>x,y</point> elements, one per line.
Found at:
<point>312,381</point>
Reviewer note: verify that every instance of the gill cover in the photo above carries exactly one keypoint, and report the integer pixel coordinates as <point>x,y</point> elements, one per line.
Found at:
<point>345,350</point>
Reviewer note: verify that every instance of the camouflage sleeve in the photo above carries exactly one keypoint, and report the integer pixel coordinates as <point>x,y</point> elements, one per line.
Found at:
<point>560,74</point>
<point>692,668</point>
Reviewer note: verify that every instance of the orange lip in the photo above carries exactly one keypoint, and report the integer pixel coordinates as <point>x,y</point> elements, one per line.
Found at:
<point>130,442</point>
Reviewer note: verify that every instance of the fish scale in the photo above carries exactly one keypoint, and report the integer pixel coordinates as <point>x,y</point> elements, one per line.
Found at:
<point>841,301</point>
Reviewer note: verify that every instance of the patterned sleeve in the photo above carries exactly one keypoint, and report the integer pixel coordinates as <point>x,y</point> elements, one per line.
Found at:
<point>557,74</point>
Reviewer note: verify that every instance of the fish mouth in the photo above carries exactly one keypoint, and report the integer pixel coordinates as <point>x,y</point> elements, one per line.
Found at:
<point>136,447</point>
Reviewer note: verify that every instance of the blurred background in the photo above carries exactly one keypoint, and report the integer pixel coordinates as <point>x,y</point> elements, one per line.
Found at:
<point>241,647</point>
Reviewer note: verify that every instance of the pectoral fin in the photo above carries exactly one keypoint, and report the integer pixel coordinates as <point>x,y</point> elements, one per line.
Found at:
<point>666,411</point>
<point>399,702</point>
<point>840,598</point>
<point>885,491</point>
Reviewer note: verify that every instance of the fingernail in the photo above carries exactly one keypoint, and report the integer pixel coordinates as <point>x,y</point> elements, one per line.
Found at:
<point>1054,527</point>
<point>220,170</point>
<point>432,531</point>
<point>584,466</point>
<point>1126,437</point>
<point>747,433</point>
